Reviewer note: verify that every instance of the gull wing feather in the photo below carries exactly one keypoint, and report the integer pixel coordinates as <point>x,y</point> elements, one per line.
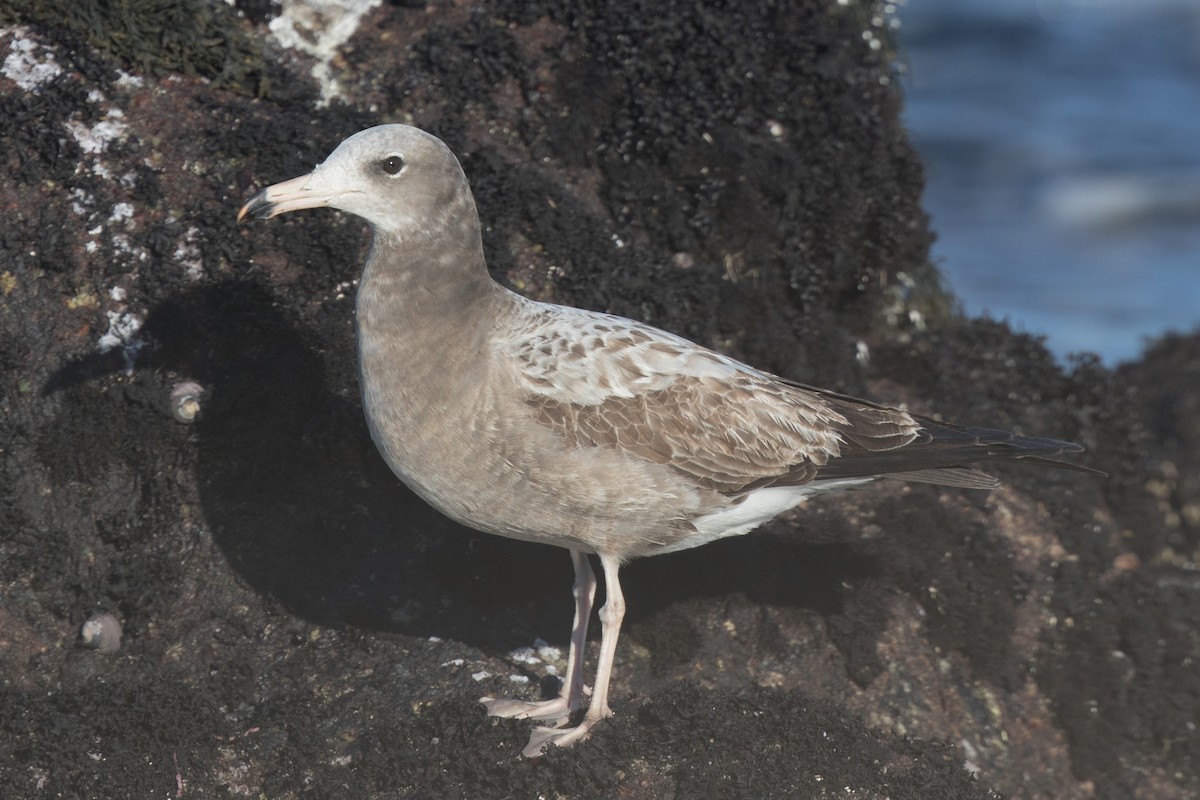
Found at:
<point>605,381</point>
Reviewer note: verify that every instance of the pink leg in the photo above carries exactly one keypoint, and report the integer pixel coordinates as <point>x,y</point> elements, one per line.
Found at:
<point>610,618</point>
<point>570,698</point>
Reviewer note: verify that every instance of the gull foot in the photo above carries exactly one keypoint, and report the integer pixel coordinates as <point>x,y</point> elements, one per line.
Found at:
<point>557,711</point>
<point>542,738</point>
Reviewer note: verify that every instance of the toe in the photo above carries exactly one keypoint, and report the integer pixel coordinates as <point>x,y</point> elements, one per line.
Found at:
<point>546,710</point>
<point>542,738</point>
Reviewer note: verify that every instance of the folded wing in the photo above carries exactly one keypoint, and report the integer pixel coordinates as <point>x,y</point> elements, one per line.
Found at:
<point>604,381</point>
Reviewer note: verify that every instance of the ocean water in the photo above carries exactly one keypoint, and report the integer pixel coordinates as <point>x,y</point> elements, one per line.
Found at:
<point>1062,146</point>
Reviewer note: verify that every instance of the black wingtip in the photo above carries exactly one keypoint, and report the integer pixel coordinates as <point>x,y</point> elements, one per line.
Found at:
<point>1041,450</point>
<point>1060,464</point>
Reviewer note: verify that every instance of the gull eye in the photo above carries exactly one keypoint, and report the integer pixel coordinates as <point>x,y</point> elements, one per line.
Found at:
<point>392,165</point>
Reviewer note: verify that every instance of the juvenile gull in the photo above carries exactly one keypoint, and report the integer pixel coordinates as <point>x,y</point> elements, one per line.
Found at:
<point>584,430</point>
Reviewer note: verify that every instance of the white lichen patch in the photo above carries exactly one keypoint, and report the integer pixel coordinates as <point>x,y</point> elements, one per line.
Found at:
<point>546,651</point>
<point>525,655</point>
<point>28,64</point>
<point>123,245</point>
<point>121,212</point>
<point>98,137</point>
<point>187,254</point>
<point>318,28</point>
<point>127,81</point>
<point>540,656</point>
<point>123,332</point>
<point>123,328</point>
<point>81,202</point>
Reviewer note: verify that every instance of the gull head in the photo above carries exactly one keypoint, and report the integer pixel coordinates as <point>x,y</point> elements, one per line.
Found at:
<point>400,179</point>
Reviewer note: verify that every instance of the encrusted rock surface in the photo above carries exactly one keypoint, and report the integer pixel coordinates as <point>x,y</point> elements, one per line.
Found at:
<point>297,624</point>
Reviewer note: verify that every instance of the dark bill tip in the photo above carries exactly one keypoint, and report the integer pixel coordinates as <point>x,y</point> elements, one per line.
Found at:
<point>259,206</point>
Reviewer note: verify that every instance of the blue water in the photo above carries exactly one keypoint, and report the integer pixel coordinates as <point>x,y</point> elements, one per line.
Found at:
<point>1062,145</point>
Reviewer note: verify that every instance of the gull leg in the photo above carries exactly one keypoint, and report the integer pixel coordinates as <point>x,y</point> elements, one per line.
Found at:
<point>570,698</point>
<point>584,591</point>
<point>610,618</point>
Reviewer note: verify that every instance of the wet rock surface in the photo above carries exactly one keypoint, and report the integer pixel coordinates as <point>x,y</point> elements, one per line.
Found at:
<point>295,623</point>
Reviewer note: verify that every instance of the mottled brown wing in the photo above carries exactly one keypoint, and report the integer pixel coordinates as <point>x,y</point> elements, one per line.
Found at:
<point>730,433</point>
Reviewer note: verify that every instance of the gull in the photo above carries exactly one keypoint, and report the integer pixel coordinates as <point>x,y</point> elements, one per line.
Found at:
<point>580,429</point>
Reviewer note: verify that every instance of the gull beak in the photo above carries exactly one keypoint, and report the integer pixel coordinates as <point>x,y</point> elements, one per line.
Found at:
<point>302,192</point>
